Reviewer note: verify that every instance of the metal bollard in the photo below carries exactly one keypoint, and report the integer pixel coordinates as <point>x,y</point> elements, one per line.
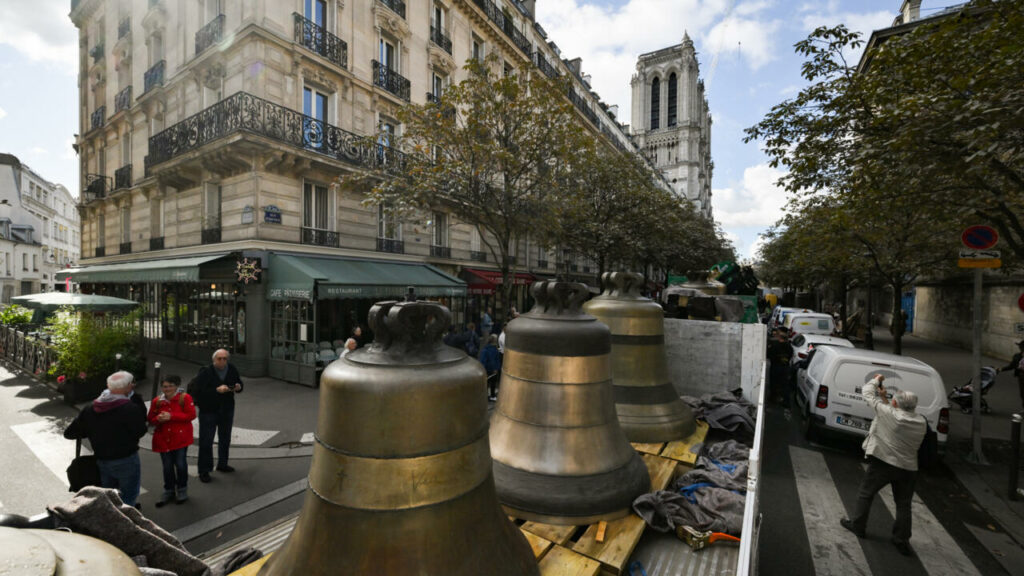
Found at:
<point>1015,463</point>
<point>156,379</point>
<point>117,362</point>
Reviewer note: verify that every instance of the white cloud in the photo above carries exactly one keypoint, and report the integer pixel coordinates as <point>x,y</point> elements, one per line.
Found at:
<point>39,151</point>
<point>41,31</point>
<point>609,39</point>
<point>2,113</point>
<point>756,202</point>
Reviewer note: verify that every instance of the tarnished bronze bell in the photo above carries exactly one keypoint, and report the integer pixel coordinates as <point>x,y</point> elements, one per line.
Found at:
<point>648,405</point>
<point>559,453</point>
<point>401,479</point>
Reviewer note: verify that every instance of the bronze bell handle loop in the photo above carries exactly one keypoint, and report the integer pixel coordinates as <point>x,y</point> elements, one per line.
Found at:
<point>417,325</point>
<point>556,298</point>
<point>622,284</point>
<point>375,318</point>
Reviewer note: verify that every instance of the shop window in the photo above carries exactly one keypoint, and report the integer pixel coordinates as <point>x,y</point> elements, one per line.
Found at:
<point>292,332</point>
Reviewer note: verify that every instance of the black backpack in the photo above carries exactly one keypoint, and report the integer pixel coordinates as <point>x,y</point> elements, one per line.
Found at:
<point>928,453</point>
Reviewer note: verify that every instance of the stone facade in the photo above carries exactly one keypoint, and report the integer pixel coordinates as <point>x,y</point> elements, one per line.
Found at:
<point>944,313</point>
<point>671,122</point>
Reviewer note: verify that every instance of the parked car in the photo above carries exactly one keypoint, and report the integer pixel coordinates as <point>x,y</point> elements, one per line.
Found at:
<point>829,390</point>
<point>804,344</point>
<point>779,315</point>
<point>809,323</point>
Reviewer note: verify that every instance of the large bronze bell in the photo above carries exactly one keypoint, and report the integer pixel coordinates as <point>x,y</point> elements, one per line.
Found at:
<point>648,405</point>
<point>401,479</point>
<point>559,453</point>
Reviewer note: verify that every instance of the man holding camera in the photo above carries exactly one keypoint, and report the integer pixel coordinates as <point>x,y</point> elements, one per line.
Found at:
<point>891,450</point>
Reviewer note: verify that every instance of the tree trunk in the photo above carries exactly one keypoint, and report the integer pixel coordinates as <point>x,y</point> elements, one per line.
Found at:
<point>897,325</point>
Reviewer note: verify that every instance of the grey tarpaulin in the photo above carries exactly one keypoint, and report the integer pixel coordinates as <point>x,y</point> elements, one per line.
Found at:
<point>724,411</point>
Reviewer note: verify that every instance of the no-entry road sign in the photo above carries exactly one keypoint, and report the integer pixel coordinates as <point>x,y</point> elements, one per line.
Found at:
<point>979,237</point>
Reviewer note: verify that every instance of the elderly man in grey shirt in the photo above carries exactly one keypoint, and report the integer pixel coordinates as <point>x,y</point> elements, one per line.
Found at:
<point>891,450</point>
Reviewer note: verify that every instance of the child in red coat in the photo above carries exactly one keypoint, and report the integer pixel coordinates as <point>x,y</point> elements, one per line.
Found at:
<point>172,413</point>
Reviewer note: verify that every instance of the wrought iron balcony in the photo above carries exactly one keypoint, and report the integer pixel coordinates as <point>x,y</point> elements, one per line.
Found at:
<point>101,251</point>
<point>581,104</point>
<point>123,177</point>
<point>437,36</point>
<point>390,80</point>
<point>124,27</point>
<point>518,38</point>
<point>210,34</point>
<point>96,186</point>
<point>441,251</point>
<point>396,6</point>
<point>447,110</point>
<point>320,237</point>
<point>211,230</point>
<point>154,76</point>
<point>99,116</point>
<point>574,267</point>
<point>478,256</point>
<point>542,263</point>
<point>123,100</point>
<point>494,14</point>
<point>390,245</point>
<point>156,243</point>
<point>244,112</point>
<point>544,66</point>
<point>310,35</point>
<point>96,53</point>
<point>126,248</point>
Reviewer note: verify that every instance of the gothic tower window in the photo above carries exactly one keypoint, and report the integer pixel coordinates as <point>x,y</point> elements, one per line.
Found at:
<point>672,99</point>
<point>655,103</point>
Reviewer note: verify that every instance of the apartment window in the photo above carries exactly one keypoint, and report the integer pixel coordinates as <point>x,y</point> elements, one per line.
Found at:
<point>156,218</point>
<point>478,48</point>
<point>655,103</point>
<point>126,225</point>
<point>316,11</point>
<point>474,239</point>
<point>101,161</point>
<point>212,9</point>
<point>101,231</point>
<point>389,55</point>
<point>388,225</point>
<point>126,149</point>
<point>156,48</point>
<point>672,99</point>
<point>46,228</point>
<point>213,93</point>
<point>35,262</point>
<point>24,262</point>
<point>317,206</point>
<point>314,105</point>
<point>211,205</point>
<point>387,133</point>
<point>440,229</point>
<point>56,235</point>
<point>437,17</point>
<point>508,70</point>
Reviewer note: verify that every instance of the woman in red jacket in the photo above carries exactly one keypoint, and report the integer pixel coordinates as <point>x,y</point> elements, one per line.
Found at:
<point>172,413</point>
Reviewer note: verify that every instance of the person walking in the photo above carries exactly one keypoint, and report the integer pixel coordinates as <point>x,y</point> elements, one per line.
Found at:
<point>215,389</point>
<point>891,450</point>
<point>172,413</point>
<point>491,359</point>
<point>780,353</point>
<point>113,423</point>
<point>486,324</point>
<point>1017,365</point>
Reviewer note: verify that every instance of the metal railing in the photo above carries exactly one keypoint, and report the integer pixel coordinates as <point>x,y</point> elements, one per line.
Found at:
<point>390,245</point>
<point>446,110</point>
<point>123,100</point>
<point>314,37</point>
<point>390,80</point>
<point>99,116</point>
<point>22,348</point>
<point>123,177</point>
<point>244,112</point>
<point>101,251</point>
<point>154,76</point>
<point>96,186</point>
<point>495,14</point>
<point>124,27</point>
<point>125,248</point>
<point>210,34</point>
<point>396,6</point>
<point>320,237</point>
<point>542,263</point>
<point>156,243</point>
<point>211,230</point>
<point>544,66</point>
<point>478,256</point>
<point>437,36</point>
<point>441,251</point>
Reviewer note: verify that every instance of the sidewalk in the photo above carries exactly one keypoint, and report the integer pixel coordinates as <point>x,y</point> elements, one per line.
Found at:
<point>988,484</point>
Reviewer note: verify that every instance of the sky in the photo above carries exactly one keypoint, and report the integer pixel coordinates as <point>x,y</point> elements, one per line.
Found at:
<point>744,48</point>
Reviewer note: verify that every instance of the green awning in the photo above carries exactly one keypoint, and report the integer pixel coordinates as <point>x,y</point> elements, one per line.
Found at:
<point>171,270</point>
<point>299,277</point>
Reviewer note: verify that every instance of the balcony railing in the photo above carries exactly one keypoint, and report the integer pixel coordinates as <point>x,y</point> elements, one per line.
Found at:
<point>96,53</point>
<point>99,116</point>
<point>210,34</point>
<point>494,14</point>
<point>390,245</point>
<point>441,251</point>
<point>478,256</point>
<point>101,251</point>
<point>126,248</point>
<point>96,186</point>
<point>396,6</point>
<point>390,80</point>
<point>446,110</point>
<point>310,35</point>
<point>156,243</point>
<point>581,104</point>
<point>544,66</point>
<point>244,112</point>
<point>542,263</point>
<point>123,177</point>
<point>154,76</point>
<point>123,100</point>
<point>211,230</point>
<point>320,237</point>
<point>574,267</point>
<point>437,36</point>
<point>124,27</point>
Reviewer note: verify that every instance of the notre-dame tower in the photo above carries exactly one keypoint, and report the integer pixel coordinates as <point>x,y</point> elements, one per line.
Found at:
<point>671,123</point>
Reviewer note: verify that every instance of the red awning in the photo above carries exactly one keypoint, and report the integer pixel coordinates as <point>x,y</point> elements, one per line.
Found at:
<point>486,282</point>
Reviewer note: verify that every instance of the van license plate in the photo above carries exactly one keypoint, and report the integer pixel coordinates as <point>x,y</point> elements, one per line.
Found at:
<point>853,423</point>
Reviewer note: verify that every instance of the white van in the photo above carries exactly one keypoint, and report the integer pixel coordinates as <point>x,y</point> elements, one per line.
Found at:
<point>809,323</point>
<point>829,391</point>
<point>779,315</point>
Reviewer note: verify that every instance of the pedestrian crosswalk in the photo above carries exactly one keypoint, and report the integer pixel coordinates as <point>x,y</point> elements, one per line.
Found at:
<point>835,551</point>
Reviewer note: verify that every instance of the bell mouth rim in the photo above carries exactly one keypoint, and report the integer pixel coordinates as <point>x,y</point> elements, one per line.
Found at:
<point>442,354</point>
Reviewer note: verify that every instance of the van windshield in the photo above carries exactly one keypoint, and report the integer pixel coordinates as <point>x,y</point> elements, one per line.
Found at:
<point>860,374</point>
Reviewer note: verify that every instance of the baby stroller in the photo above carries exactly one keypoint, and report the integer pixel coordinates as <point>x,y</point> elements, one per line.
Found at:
<point>963,395</point>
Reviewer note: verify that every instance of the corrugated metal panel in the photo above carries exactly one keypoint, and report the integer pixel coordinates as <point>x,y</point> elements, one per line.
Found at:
<point>665,554</point>
<point>266,540</point>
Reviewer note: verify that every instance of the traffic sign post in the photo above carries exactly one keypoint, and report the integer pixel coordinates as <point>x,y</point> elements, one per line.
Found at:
<point>979,237</point>
<point>979,258</point>
<point>979,241</point>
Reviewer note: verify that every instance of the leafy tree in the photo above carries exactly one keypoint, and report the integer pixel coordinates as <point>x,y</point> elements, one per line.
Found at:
<point>497,152</point>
